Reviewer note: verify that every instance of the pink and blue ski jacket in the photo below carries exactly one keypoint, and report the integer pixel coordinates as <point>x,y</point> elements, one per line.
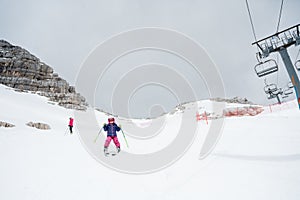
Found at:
<point>111,129</point>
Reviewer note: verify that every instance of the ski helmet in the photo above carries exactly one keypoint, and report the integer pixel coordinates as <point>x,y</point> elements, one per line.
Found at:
<point>111,120</point>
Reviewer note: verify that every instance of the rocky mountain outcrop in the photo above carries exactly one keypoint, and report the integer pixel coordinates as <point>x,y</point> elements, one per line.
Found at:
<point>23,71</point>
<point>6,124</point>
<point>233,100</point>
<point>39,125</point>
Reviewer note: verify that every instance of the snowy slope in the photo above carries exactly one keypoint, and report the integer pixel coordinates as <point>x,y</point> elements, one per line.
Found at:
<point>256,158</point>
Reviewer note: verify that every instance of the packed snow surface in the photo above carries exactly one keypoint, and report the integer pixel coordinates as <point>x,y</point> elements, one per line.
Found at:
<point>257,157</point>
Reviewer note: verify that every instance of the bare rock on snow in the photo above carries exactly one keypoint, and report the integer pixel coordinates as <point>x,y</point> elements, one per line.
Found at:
<point>23,71</point>
<point>6,125</point>
<point>39,125</point>
<point>233,100</point>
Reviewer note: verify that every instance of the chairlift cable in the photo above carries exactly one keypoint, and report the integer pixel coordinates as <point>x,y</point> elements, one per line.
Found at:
<point>265,80</point>
<point>253,30</point>
<point>277,78</point>
<point>251,22</point>
<point>279,18</point>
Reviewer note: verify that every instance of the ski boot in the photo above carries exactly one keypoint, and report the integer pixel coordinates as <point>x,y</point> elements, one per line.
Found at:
<point>118,149</point>
<point>105,151</point>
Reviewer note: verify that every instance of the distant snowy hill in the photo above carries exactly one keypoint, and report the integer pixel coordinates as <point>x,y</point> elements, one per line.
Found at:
<point>257,157</point>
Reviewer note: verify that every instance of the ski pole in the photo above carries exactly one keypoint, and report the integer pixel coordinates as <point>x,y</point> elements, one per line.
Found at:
<point>125,138</point>
<point>98,135</point>
<point>66,131</point>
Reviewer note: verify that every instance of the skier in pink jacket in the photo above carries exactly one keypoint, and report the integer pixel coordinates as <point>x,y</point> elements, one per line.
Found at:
<point>71,120</point>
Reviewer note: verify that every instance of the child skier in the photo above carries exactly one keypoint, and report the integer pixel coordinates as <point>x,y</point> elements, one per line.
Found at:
<point>71,120</point>
<point>111,129</point>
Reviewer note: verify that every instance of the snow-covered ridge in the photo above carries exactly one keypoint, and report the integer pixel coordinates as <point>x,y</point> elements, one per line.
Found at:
<point>212,109</point>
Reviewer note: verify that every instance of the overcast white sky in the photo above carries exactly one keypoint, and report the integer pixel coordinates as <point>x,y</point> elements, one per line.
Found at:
<point>62,33</point>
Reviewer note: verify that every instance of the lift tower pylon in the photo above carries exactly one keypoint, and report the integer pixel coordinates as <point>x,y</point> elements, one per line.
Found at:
<point>279,42</point>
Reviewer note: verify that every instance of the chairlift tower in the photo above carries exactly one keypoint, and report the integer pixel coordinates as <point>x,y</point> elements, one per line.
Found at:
<point>279,42</point>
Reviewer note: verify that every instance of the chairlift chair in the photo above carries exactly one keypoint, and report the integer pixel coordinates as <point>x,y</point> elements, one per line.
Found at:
<point>270,89</point>
<point>285,96</point>
<point>278,91</point>
<point>288,91</point>
<point>266,67</point>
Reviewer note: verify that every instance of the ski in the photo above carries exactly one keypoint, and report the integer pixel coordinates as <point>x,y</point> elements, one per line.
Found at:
<point>111,153</point>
